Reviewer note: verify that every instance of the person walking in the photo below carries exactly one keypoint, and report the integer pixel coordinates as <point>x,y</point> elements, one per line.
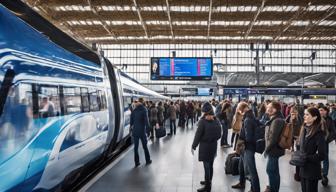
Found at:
<point>273,151</point>
<point>139,124</point>
<point>313,145</point>
<point>207,134</point>
<point>172,118</point>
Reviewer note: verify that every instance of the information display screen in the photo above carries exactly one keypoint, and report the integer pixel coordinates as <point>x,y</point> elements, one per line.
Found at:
<point>181,68</point>
<point>204,91</point>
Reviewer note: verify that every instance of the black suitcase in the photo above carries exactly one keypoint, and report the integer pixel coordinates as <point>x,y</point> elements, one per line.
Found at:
<point>160,132</point>
<point>232,164</point>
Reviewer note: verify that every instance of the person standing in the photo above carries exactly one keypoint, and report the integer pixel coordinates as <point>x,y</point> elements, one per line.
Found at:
<point>328,127</point>
<point>222,116</point>
<point>139,124</point>
<point>153,119</point>
<point>207,134</point>
<point>312,143</point>
<point>237,123</point>
<point>248,135</point>
<point>160,114</point>
<point>273,151</point>
<point>172,118</point>
<point>190,113</point>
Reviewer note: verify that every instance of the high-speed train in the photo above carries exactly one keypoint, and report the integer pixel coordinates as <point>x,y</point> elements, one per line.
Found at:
<point>62,106</point>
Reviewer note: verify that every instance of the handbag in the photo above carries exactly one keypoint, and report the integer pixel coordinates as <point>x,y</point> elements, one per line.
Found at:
<point>298,158</point>
<point>160,132</point>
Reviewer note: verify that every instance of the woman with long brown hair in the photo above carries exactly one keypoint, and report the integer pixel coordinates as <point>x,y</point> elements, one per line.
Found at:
<point>312,144</point>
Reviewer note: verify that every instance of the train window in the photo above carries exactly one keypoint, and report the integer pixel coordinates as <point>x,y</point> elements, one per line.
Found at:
<point>85,100</point>
<point>94,101</point>
<point>48,102</point>
<point>72,100</point>
<point>102,97</point>
<point>16,120</point>
<point>127,102</point>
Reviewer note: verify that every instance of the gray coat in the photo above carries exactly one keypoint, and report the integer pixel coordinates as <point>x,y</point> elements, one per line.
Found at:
<point>172,112</point>
<point>207,134</point>
<point>273,132</point>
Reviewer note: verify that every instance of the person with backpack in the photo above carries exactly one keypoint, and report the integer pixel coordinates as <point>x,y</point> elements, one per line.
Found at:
<point>273,151</point>
<point>207,134</point>
<point>248,135</point>
<point>328,127</point>
<point>313,145</point>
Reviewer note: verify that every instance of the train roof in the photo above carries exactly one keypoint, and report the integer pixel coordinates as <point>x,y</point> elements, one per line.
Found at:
<point>54,34</point>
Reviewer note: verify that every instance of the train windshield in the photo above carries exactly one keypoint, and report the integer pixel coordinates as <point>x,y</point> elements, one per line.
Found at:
<point>16,121</point>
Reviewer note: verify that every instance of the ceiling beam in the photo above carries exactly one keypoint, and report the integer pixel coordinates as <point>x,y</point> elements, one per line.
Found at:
<point>105,26</point>
<point>261,7</point>
<point>328,13</point>
<point>209,19</point>
<point>140,18</point>
<point>169,18</point>
<point>290,21</point>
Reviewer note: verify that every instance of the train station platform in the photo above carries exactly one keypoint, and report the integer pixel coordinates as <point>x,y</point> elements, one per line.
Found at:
<point>174,169</point>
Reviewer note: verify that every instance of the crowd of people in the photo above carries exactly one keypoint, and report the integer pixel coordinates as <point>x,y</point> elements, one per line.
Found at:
<point>256,128</point>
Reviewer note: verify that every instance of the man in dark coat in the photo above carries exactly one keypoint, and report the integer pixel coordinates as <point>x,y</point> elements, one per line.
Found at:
<point>273,151</point>
<point>139,125</point>
<point>207,135</point>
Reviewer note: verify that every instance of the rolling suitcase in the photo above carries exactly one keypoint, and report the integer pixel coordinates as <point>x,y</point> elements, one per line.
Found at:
<point>160,132</point>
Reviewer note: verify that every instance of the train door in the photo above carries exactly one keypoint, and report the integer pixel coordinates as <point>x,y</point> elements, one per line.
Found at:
<point>115,103</point>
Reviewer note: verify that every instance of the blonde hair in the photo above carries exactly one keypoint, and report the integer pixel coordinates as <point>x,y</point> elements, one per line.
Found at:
<point>241,106</point>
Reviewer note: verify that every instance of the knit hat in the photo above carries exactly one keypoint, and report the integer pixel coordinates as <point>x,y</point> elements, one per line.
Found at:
<point>207,109</point>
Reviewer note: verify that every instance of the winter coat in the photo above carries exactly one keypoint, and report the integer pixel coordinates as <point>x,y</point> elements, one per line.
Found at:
<point>160,113</point>
<point>153,117</point>
<point>207,134</point>
<point>139,121</point>
<point>172,112</point>
<point>273,132</point>
<point>248,133</point>
<point>296,125</point>
<point>329,129</point>
<point>314,147</point>
<point>237,122</point>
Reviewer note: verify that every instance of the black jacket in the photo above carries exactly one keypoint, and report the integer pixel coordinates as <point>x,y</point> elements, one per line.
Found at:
<point>207,134</point>
<point>139,121</point>
<point>249,131</point>
<point>273,132</point>
<point>329,129</point>
<point>314,147</point>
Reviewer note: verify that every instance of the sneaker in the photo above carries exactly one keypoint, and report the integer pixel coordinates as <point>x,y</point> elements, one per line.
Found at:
<point>325,181</point>
<point>204,189</point>
<point>238,186</point>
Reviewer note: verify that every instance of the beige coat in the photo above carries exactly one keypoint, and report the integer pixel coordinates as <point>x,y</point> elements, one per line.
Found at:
<point>237,122</point>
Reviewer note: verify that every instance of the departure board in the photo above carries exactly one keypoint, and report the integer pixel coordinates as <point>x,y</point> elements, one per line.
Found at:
<point>181,68</point>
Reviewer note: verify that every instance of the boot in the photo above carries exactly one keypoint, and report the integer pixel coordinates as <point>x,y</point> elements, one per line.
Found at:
<point>206,188</point>
<point>325,181</point>
<point>239,186</point>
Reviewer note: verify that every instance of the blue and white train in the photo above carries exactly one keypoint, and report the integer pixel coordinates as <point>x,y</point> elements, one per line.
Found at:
<point>62,106</point>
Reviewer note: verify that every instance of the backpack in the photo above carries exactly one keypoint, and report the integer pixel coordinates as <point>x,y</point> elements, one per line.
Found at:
<point>286,137</point>
<point>232,164</point>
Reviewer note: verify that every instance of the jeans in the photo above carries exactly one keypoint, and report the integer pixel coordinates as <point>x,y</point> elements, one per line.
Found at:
<point>242,178</point>
<point>173,126</point>
<point>250,164</point>
<point>309,185</point>
<point>225,133</point>
<point>208,171</point>
<point>272,169</point>
<point>136,147</point>
<point>325,162</point>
